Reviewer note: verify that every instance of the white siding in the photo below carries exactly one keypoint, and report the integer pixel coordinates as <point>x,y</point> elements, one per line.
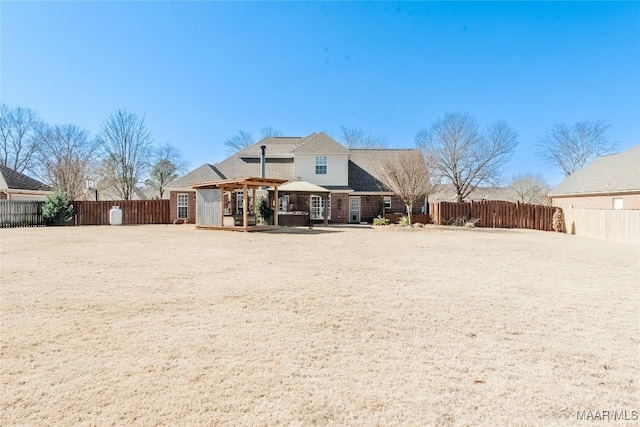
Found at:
<point>337,169</point>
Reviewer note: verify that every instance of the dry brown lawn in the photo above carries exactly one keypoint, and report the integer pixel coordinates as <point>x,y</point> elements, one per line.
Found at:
<point>168,325</point>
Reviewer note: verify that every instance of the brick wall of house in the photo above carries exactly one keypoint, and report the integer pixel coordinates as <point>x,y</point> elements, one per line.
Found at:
<point>369,209</point>
<point>3,195</point>
<point>630,201</point>
<point>191,209</point>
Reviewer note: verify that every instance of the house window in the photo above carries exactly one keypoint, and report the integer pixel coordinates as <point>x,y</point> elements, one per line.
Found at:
<point>183,206</point>
<point>618,203</point>
<point>321,165</point>
<point>387,202</point>
<point>317,207</point>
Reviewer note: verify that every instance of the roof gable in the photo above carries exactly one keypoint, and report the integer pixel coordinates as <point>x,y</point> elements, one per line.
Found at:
<point>606,174</point>
<point>12,180</point>
<point>320,143</point>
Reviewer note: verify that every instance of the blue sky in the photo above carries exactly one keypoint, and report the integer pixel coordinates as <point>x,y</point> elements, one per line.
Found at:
<point>200,71</point>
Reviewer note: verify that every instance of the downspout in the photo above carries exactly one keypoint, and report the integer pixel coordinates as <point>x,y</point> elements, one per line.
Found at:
<point>262,161</point>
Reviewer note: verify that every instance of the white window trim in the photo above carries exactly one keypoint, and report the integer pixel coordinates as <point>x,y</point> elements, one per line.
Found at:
<point>617,206</point>
<point>318,212</point>
<point>185,205</point>
<point>321,161</point>
<point>387,198</point>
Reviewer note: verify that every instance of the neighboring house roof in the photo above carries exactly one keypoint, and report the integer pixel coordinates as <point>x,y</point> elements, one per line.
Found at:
<point>447,193</point>
<point>615,173</point>
<point>12,180</point>
<point>110,193</point>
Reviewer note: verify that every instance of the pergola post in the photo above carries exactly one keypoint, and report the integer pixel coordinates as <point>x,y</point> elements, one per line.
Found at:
<point>254,203</point>
<point>275,205</point>
<point>245,206</point>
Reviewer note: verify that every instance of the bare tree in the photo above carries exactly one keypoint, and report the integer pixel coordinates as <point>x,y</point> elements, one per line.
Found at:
<point>65,155</point>
<point>126,143</point>
<point>406,174</point>
<point>529,188</point>
<point>244,139</point>
<point>357,138</point>
<point>464,155</point>
<point>270,131</point>
<point>571,147</point>
<point>20,130</point>
<point>166,165</point>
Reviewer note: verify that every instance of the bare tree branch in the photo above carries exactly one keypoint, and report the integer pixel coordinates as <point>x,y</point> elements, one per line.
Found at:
<point>572,147</point>
<point>20,132</point>
<point>126,143</point>
<point>460,153</point>
<point>65,155</point>
<point>529,188</point>
<point>357,138</point>
<point>166,165</point>
<point>270,131</point>
<point>407,175</point>
<point>244,139</point>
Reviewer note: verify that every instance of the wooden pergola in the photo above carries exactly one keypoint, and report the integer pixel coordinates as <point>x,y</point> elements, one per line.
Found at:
<point>210,202</point>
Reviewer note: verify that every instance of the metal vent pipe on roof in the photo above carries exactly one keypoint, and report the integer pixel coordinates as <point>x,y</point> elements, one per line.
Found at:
<point>262,161</point>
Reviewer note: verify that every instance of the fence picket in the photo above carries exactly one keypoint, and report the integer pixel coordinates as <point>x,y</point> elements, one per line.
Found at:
<point>495,214</point>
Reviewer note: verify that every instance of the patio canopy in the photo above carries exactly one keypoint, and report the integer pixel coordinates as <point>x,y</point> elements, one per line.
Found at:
<point>305,187</point>
<point>302,187</point>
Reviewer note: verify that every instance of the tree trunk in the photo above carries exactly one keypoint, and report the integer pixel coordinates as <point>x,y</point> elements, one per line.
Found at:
<point>409,209</point>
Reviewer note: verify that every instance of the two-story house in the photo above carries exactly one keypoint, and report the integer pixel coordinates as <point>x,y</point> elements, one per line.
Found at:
<point>350,175</point>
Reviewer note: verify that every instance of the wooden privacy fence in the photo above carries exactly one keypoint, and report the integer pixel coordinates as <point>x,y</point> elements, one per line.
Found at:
<point>133,212</point>
<point>621,225</point>
<point>21,213</point>
<point>495,214</point>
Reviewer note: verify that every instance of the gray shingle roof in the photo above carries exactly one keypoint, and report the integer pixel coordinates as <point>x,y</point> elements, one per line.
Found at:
<point>239,167</point>
<point>320,143</point>
<point>606,174</point>
<point>10,179</point>
<point>364,170</point>
<point>275,145</point>
<point>204,173</point>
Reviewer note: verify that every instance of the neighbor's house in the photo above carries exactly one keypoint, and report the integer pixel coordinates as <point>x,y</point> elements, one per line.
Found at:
<point>609,182</point>
<point>447,193</point>
<point>350,175</point>
<point>18,186</point>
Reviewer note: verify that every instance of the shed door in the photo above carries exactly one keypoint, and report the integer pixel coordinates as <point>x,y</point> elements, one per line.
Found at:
<point>209,208</point>
<point>354,210</point>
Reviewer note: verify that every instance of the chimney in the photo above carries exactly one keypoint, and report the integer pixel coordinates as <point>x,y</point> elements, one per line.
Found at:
<point>262,161</point>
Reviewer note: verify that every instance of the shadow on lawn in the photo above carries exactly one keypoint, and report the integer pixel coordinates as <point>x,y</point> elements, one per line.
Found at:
<point>302,230</point>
